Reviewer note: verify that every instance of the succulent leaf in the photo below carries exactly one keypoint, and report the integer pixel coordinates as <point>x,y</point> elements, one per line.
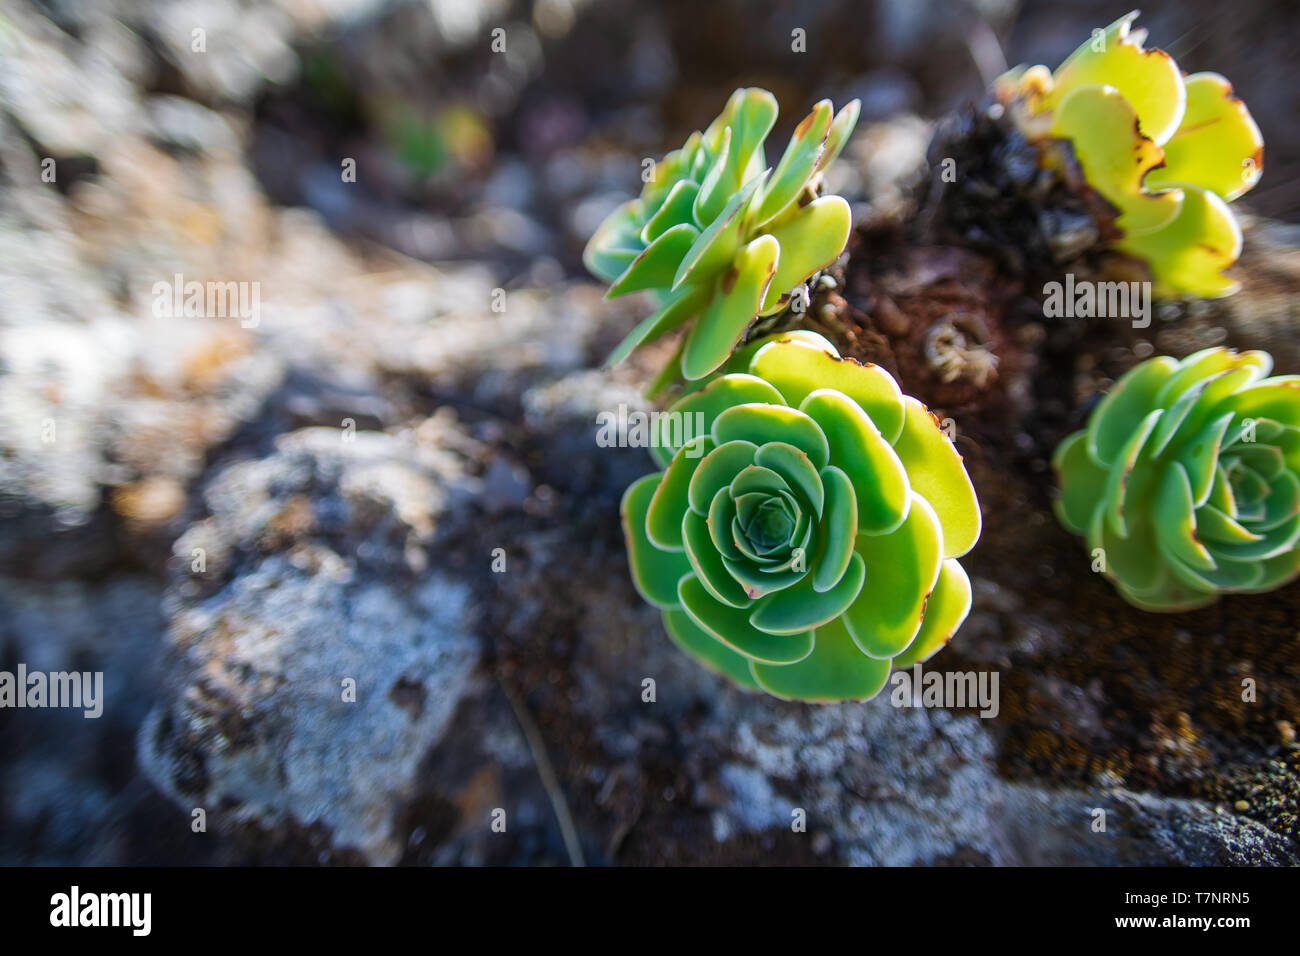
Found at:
<point>679,309</point>
<point>845,120</point>
<point>798,373</point>
<point>732,627</point>
<point>905,566</point>
<point>857,447</point>
<point>726,317</point>
<point>722,237</point>
<point>1218,147</point>
<point>836,670</point>
<point>936,473</point>
<point>1186,478</point>
<point>810,238</point>
<point>1148,79</point>
<point>946,609</point>
<point>657,263</point>
<point>797,164</point>
<point>1189,254</point>
<point>753,542</point>
<point>1101,124</point>
<point>768,423</point>
<point>655,572</point>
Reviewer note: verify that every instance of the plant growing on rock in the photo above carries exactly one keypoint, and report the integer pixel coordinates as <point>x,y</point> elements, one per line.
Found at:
<point>1187,478</point>
<point>807,541</point>
<point>1115,166</point>
<point>719,236</point>
<point>1167,151</point>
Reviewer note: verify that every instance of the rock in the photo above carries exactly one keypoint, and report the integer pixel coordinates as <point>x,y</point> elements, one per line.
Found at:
<point>1058,828</point>
<point>317,657</point>
<point>892,787</point>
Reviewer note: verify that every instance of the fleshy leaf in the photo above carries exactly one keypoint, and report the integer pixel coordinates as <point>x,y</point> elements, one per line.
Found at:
<point>758,582</point>
<point>717,470</point>
<point>755,113</point>
<point>716,189</point>
<point>1148,79</point>
<point>732,308</point>
<point>1129,401</point>
<point>708,564</point>
<point>676,209</point>
<point>1214,525</point>
<point>1187,255</point>
<point>1117,482</point>
<point>1102,125</point>
<point>1133,561</point>
<point>845,120</point>
<point>672,497</point>
<point>880,481</point>
<point>1276,398</point>
<point>837,531</point>
<point>655,267</point>
<point>794,465</point>
<point>613,246</point>
<point>801,606</point>
<point>681,308</point>
<point>1081,481</point>
<point>1218,146</point>
<point>835,671</point>
<point>811,238</point>
<point>731,626</point>
<point>946,609</point>
<point>709,402</point>
<point>717,246</point>
<point>936,472</point>
<point>799,368</point>
<point>761,424</point>
<point>797,163</point>
<point>655,572</point>
<point>902,570</point>
<point>1175,521</point>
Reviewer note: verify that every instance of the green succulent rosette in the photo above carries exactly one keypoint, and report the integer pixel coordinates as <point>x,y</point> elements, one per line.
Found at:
<point>719,236</point>
<point>804,539</point>
<point>1168,151</point>
<point>1187,478</point>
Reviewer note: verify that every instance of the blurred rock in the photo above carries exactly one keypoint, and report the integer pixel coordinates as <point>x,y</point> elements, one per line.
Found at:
<point>318,657</point>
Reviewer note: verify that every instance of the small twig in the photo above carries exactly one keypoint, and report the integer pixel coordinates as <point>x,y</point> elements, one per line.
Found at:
<point>533,737</point>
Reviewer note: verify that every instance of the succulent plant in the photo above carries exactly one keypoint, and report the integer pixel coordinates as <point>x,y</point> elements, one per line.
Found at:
<point>1186,478</point>
<point>806,541</point>
<point>719,236</point>
<point>1168,151</point>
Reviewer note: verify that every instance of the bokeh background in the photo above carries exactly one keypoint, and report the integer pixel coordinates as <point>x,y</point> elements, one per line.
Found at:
<point>231,521</point>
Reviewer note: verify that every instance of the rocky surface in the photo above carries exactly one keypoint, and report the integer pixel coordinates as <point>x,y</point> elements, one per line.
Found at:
<point>319,654</point>
<point>388,474</point>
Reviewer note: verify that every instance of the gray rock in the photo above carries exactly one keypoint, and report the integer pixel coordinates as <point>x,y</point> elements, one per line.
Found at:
<point>316,657</point>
